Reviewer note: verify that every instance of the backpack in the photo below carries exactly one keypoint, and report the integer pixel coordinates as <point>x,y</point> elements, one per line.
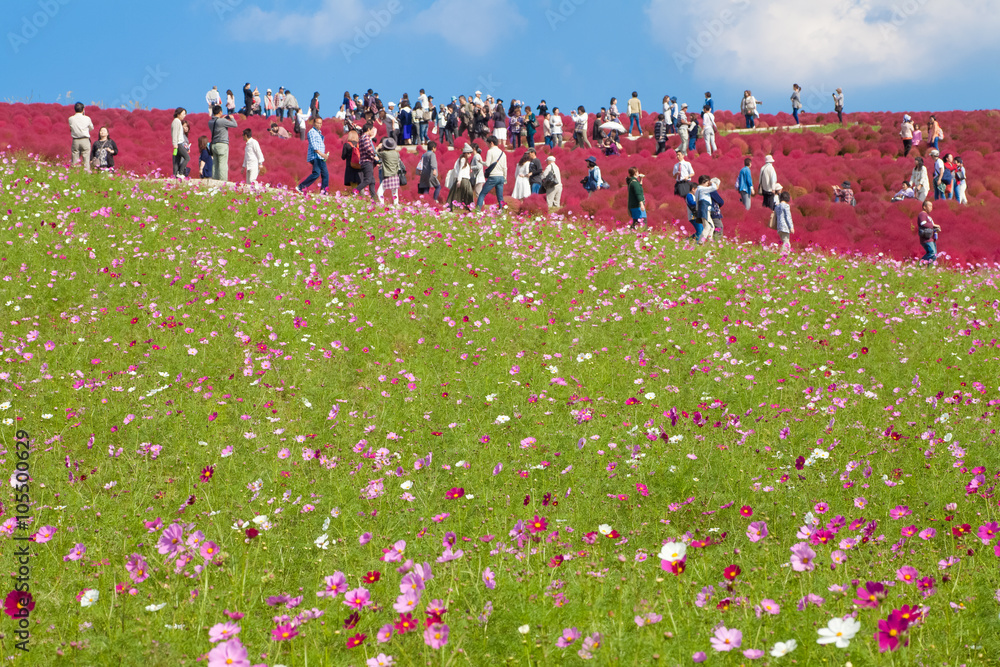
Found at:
<point>356,158</point>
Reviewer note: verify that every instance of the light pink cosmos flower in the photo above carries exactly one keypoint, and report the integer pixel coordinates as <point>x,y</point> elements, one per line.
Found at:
<point>928,533</point>
<point>229,654</point>
<point>221,632</point>
<point>357,598</point>
<point>436,635</point>
<point>907,574</point>
<point>757,531</point>
<point>802,558</point>
<point>335,583</point>
<point>568,636</point>
<point>384,633</point>
<point>900,511</point>
<point>137,568</point>
<point>411,581</point>
<point>489,579</point>
<point>45,533</point>
<point>172,540</point>
<point>770,606</point>
<point>407,602</point>
<point>726,639</point>
<point>394,554</point>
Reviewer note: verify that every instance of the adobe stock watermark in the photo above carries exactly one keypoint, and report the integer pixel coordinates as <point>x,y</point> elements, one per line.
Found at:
<point>562,12</point>
<point>364,34</point>
<point>900,15</point>
<point>34,22</point>
<point>132,99</point>
<point>223,7</point>
<point>708,34</point>
<point>817,98</point>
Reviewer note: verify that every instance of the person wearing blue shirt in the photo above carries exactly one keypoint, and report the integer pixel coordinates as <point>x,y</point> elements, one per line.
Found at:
<point>709,103</point>
<point>744,183</point>
<point>316,155</point>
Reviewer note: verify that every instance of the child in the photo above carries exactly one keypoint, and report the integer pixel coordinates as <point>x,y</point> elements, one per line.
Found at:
<point>253,158</point>
<point>204,157</point>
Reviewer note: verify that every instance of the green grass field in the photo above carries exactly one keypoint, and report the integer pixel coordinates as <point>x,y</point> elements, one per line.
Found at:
<point>201,360</point>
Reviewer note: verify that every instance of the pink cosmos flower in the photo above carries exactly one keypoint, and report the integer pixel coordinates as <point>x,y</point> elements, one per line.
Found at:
<point>221,632</point>
<point>172,540</point>
<point>209,550</point>
<point>357,598</point>
<point>726,639</point>
<point>489,579</point>
<point>907,574</point>
<point>908,531</point>
<point>987,532</point>
<point>229,654</point>
<point>802,558</point>
<point>757,531</point>
<point>395,553</point>
<point>284,632</point>
<point>928,533</point>
<point>411,581</point>
<point>407,602</point>
<point>137,568</point>
<point>76,553</point>
<point>45,534</point>
<point>870,595</point>
<point>384,633</point>
<point>753,653</point>
<point>770,606</point>
<point>153,526</point>
<point>568,636</point>
<point>436,635</point>
<point>335,584</point>
<point>890,632</point>
<point>900,511</point>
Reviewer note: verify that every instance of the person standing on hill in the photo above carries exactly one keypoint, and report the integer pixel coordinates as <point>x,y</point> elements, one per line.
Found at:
<point>683,130</point>
<point>709,102</point>
<point>634,113</point>
<point>960,182</point>
<point>181,156</point>
<point>768,181</point>
<point>919,181</point>
<point>934,132</point>
<point>253,158</point>
<point>796,101</point>
<point>80,127</point>
<point>927,232</point>
<point>105,149</point>
<point>366,150</point>
<point>744,183</point>
<point>219,127</point>
<point>247,99</point>
<point>708,130</point>
<point>748,107</point>
<point>683,173</point>
<point>939,185</point>
<point>660,132</point>
<point>316,155</point>
<point>636,198</point>
<point>428,170</point>
<point>838,104</point>
<point>552,182</point>
<point>495,172</point>
<point>580,120</point>
<point>291,105</point>
<point>906,134</point>
<point>212,98</point>
<point>784,225</point>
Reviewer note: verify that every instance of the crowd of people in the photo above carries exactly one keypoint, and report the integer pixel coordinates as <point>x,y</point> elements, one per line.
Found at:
<point>376,168</point>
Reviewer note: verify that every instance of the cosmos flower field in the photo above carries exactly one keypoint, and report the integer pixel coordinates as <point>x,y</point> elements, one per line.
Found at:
<point>268,429</point>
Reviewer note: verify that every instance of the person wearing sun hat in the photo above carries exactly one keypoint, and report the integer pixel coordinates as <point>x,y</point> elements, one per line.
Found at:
<point>460,178</point>
<point>767,181</point>
<point>388,156</point>
<point>593,181</point>
<point>906,134</point>
<point>844,193</point>
<point>552,183</point>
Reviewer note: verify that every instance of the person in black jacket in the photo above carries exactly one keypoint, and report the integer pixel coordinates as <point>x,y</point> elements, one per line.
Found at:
<point>314,105</point>
<point>247,99</point>
<point>534,172</point>
<point>352,176</point>
<point>104,150</point>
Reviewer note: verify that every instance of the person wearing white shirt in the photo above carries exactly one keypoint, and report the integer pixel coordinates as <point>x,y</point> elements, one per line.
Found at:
<point>302,119</point>
<point>496,165</point>
<point>80,127</point>
<point>253,158</point>
<point>919,180</point>
<point>556,123</point>
<point>703,195</point>
<point>668,112</point>
<point>683,172</point>
<point>553,193</point>
<point>179,142</point>
<point>708,128</point>
<point>906,192</point>
<point>212,98</point>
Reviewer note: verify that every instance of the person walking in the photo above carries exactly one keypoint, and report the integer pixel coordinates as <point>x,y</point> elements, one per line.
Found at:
<point>80,127</point>
<point>253,158</point>
<point>316,155</point>
<point>744,183</point>
<point>906,134</point>
<point>460,180</point>
<point>634,113</point>
<point>838,104</point>
<point>366,150</point>
<point>660,131</point>
<point>428,170</point>
<point>212,98</point>
<point>351,156</point>
<point>783,222</point>
<point>919,181</point>
<point>388,155</point>
<point>104,150</point>
<point>636,196</point>
<point>748,107</point>
<point>796,102</point>
<point>768,181</point>
<point>177,138</point>
<point>708,130</point>
<point>219,127</point>
<point>927,232</point>
<point>552,182</point>
<point>683,173</point>
<point>703,196</point>
<point>495,172</point>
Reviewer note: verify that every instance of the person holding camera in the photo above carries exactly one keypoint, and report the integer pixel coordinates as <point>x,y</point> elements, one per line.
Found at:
<point>219,126</point>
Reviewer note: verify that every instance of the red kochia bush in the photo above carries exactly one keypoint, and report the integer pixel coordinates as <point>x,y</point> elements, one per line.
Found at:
<point>867,153</point>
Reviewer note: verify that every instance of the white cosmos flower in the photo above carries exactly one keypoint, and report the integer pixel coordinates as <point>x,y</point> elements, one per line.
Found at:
<point>673,551</point>
<point>407,485</point>
<point>89,597</point>
<point>783,648</point>
<point>156,607</point>
<point>604,529</point>
<point>524,629</point>
<point>839,632</point>
<point>323,541</point>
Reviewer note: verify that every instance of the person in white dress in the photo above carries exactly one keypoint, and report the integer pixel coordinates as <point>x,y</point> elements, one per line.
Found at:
<point>522,185</point>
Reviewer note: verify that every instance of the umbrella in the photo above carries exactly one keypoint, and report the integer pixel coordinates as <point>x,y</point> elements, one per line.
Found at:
<point>613,125</point>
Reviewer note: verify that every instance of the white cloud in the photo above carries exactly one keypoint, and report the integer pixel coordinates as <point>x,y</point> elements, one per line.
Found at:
<point>822,43</point>
<point>334,21</point>
<point>475,27</point>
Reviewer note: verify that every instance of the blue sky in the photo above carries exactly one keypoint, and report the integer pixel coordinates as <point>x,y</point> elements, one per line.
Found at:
<point>886,54</point>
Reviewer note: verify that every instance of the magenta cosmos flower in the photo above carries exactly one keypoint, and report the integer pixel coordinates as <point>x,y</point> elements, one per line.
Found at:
<point>357,598</point>
<point>802,557</point>
<point>137,568</point>
<point>891,632</point>
<point>336,583</point>
<point>229,654</point>
<point>436,635</point>
<point>899,511</point>
<point>284,633</point>
<point>726,639</point>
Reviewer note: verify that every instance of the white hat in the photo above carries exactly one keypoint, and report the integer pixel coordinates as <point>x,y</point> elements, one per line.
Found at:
<point>479,92</point>
<point>551,158</point>
<point>768,160</point>
<point>392,104</point>
<point>777,186</point>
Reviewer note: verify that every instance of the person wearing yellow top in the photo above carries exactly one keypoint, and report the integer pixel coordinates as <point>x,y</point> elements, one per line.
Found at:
<point>634,113</point>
